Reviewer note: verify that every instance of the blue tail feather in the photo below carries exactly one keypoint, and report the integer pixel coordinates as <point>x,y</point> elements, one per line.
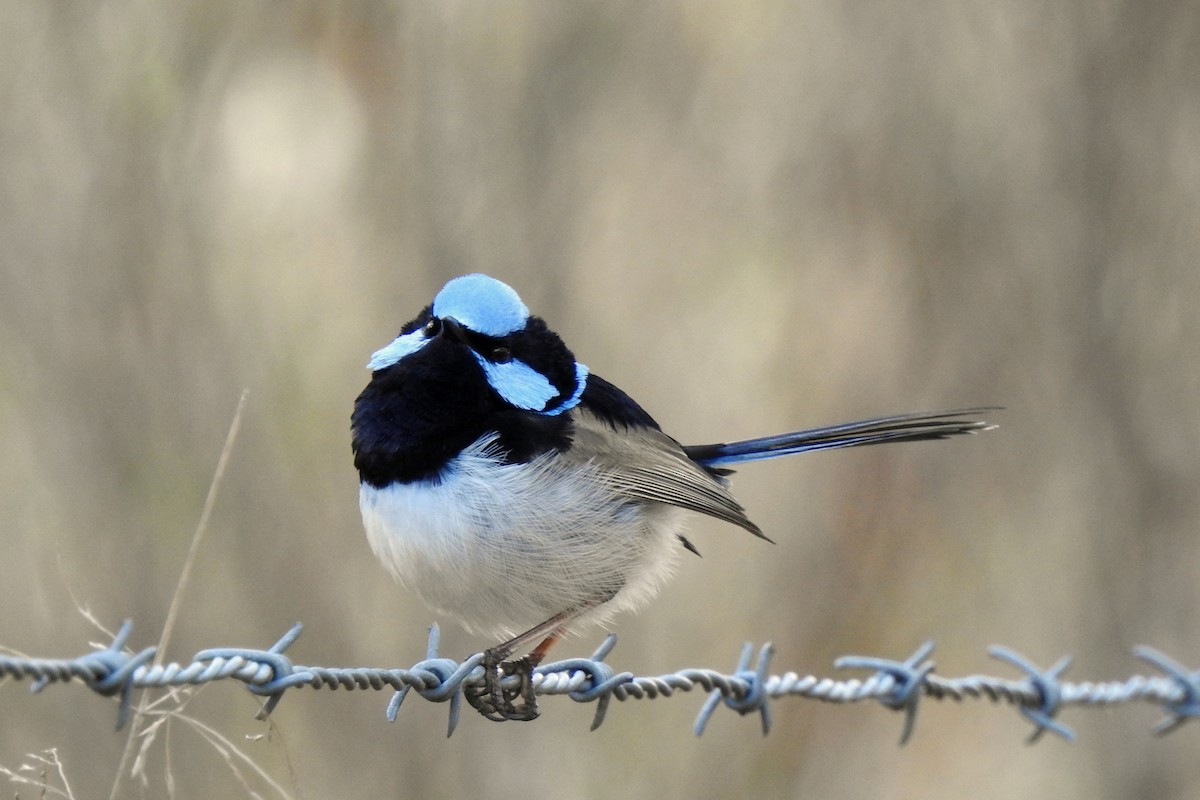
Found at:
<point>916,427</point>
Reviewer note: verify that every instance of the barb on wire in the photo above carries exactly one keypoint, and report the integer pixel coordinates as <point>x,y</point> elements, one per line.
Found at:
<point>907,678</point>
<point>899,685</point>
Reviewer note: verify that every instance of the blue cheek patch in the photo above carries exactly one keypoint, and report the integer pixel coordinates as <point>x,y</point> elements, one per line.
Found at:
<point>524,387</point>
<point>482,304</point>
<point>400,347</point>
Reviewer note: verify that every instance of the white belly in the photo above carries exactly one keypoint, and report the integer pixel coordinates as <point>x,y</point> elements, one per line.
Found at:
<point>503,547</point>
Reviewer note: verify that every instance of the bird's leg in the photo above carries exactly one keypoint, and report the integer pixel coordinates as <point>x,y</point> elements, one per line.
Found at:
<point>524,666</point>
<point>497,703</point>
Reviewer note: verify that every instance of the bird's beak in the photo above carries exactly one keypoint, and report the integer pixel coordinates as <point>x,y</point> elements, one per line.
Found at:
<point>453,329</point>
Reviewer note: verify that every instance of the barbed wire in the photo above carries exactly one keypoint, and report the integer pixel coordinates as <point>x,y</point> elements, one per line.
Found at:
<point>899,685</point>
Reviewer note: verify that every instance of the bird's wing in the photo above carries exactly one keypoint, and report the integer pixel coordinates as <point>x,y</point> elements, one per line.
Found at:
<point>643,463</point>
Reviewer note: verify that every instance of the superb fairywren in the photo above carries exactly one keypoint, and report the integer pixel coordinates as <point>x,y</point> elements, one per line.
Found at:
<point>517,492</point>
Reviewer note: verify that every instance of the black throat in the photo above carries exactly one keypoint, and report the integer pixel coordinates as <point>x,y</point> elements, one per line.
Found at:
<point>417,415</point>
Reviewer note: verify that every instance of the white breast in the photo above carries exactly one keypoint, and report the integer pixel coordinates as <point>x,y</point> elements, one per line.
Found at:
<point>503,547</point>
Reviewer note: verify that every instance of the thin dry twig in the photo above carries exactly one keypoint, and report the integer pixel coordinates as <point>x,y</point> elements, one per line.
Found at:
<point>184,577</point>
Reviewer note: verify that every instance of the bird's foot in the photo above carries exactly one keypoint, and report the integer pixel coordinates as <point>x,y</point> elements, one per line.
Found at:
<point>496,701</point>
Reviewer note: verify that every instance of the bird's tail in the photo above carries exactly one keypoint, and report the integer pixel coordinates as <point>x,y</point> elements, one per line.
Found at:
<point>900,428</point>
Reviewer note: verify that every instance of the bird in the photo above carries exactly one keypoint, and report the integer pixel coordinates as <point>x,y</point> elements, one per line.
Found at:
<point>522,495</point>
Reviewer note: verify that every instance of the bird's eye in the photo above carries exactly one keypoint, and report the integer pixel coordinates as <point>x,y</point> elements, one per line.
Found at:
<point>432,327</point>
<point>500,354</point>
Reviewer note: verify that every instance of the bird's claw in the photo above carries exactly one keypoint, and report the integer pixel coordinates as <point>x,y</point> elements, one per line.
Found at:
<point>500,703</point>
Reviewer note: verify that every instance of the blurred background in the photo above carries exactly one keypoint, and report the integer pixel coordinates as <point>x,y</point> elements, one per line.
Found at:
<point>753,216</point>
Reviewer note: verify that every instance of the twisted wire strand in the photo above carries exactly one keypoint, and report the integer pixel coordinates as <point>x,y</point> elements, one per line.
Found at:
<point>1039,695</point>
